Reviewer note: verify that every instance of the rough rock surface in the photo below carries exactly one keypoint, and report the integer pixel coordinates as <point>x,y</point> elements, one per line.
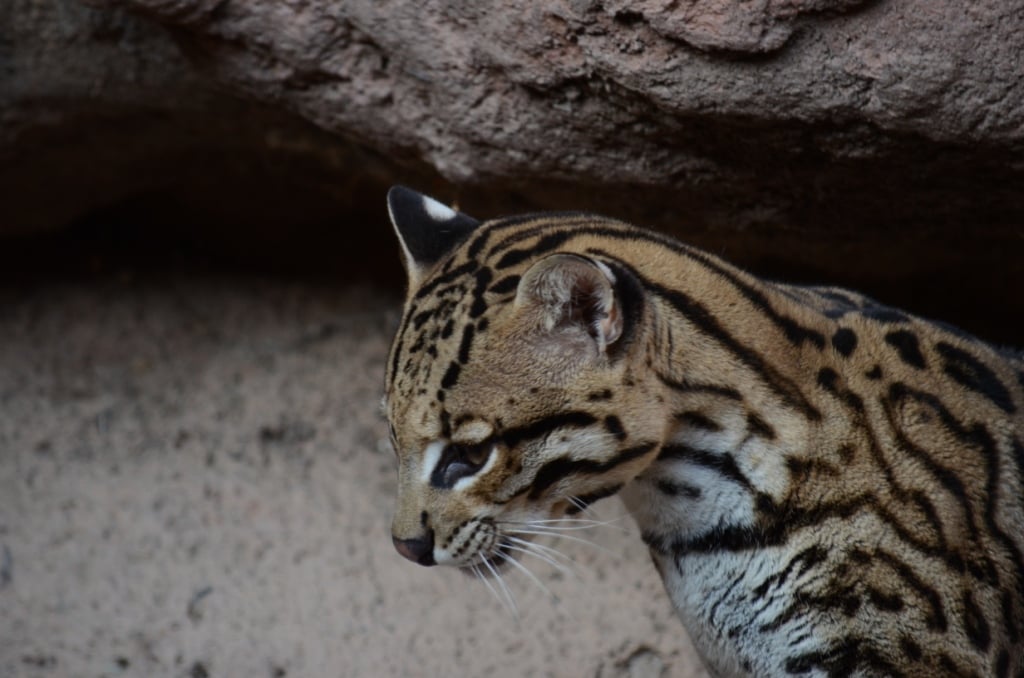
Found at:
<point>100,108</point>
<point>195,480</point>
<point>878,144</point>
<point>503,89</point>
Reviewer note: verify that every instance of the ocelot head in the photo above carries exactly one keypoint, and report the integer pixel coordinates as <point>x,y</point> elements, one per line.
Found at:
<point>511,392</point>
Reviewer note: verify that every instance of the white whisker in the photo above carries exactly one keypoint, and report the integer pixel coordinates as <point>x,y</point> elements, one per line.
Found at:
<point>570,523</point>
<point>522,568</point>
<point>490,587</point>
<point>540,556</point>
<point>504,587</point>
<point>570,537</point>
<point>564,519</point>
<point>582,507</point>
<point>540,548</point>
<point>576,528</point>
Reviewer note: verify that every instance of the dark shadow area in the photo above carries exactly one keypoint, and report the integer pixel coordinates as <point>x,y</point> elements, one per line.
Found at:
<point>258,228</point>
<point>230,233</point>
<point>251,191</point>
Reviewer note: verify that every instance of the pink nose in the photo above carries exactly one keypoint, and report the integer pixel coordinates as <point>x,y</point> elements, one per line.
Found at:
<point>419,550</point>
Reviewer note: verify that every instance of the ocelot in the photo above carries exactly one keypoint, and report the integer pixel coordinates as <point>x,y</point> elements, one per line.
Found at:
<point>827,486</point>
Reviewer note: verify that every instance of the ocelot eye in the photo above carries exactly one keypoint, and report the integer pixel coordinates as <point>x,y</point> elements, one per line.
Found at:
<point>459,461</point>
<point>474,454</point>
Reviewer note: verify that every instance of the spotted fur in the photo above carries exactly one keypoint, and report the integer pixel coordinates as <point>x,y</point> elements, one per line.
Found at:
<point>828,487</point>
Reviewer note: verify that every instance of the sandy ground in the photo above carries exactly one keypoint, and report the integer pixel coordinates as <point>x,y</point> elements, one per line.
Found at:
<point>195,482</point>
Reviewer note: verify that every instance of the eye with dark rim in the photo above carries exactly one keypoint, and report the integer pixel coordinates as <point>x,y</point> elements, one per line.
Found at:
<point>460,460</point>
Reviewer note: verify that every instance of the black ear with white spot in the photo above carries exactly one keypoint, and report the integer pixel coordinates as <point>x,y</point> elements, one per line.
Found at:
<point>575,297</point>
<point>426,228</point>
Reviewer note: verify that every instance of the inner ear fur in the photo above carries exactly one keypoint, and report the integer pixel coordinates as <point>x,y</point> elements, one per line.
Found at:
<point>572,292</point>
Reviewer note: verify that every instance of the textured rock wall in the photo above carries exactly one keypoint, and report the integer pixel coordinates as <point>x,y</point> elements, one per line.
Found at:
<point>99,107</point>
<point>873,143</point>
<point>511,89</point>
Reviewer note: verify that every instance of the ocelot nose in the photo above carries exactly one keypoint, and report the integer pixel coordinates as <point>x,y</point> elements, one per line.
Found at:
<point>419,550</point>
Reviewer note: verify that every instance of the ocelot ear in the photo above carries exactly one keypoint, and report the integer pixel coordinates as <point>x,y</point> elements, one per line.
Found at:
<point>575,297</point>
<point>427,230</point>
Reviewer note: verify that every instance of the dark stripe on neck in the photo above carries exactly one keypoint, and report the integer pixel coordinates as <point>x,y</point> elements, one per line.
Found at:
<point>710,389</point>
<point>968,371</point>
<point>706,322</point>
<point>724,464</point>
<point>695,419</point>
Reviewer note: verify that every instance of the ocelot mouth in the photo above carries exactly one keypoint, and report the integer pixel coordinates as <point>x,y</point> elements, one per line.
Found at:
<point>491,563</point>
